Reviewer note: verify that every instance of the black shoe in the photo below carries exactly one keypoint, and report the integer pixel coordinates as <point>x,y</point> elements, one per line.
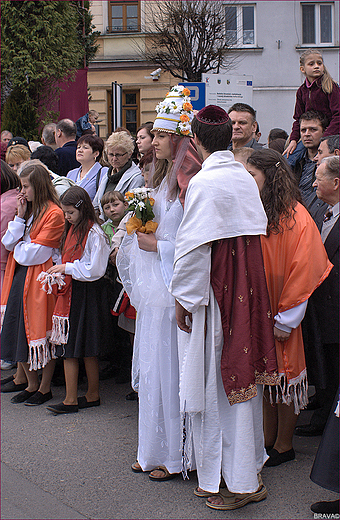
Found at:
<point>12,387</point>
<point>63,408</point>
<point>132,396</point>
<point>23,396</point>
<point>308,430</point>
<point>38,398</point>
<point>268,449</point>
<point>84,403</point>
<point>276,458</point>
<point>313,403</point>
<point>326,507</point>
<point>6,380</point>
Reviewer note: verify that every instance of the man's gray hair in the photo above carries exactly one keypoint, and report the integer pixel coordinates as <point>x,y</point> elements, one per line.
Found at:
<point>332,142</point>
<point>48,134</point>
<point>332,166</point>
<point>67,127</point>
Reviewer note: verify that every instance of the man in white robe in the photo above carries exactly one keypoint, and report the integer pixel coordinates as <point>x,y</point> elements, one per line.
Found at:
<point>224,429</point>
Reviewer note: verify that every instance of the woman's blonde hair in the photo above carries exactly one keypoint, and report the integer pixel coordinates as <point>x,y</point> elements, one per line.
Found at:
<point>44,191</point>
<point>17,151</point>
<point>327,80</point>
<point>121,139</point>
<point>162,168</point>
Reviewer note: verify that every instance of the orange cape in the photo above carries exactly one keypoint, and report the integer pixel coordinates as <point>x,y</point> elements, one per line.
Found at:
<point>60,318</point>
<point>38,305</point>
<point>296,263</point>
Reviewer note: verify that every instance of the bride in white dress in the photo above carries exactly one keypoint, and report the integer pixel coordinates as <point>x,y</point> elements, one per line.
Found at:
<point>145,265</point>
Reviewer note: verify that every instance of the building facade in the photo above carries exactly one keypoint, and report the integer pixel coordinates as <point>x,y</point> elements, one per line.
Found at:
<point>121,26</point>
<point>267,38</point>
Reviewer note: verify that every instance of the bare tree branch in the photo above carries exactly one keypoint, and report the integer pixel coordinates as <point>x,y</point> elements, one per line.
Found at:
<point>187,38</point>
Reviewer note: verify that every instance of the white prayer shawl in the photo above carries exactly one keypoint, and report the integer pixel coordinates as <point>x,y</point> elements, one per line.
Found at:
<point>222,201</point>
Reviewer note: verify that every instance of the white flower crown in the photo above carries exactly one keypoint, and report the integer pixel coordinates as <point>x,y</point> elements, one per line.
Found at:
<point>181,107</point>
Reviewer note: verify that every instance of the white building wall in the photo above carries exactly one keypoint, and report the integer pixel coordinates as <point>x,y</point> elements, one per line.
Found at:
<point>274,61</point>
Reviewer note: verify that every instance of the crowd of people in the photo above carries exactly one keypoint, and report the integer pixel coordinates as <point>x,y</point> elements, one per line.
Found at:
<point>227,304</point>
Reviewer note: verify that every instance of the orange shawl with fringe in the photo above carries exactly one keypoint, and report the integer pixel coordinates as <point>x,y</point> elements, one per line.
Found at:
<point>60,318</point>
<point>296,263</point>
<point>38,305</point>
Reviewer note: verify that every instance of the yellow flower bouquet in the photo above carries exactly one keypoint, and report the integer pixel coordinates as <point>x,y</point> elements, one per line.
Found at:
<point>140,203</point>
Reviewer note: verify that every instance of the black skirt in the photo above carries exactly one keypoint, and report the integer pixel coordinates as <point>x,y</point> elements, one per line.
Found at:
<point>14,346</point>
<point>89,320</point>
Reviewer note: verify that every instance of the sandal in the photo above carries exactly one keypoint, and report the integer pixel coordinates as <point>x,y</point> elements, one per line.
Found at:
<point>167,475</point>
<point>203,494</point>
<point>237,500</point>
<point>206,494</point>
<point>136,467</point>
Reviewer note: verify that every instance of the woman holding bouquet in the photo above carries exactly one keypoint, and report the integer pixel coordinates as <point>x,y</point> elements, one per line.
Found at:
<point>145,266</point>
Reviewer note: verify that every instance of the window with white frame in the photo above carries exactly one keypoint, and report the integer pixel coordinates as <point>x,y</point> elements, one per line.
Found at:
<point>317,23</point>
<point>240,25</point>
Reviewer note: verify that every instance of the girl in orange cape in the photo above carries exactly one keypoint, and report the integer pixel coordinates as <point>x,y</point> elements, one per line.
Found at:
<point>81,316</point>
<point>26,310</point>
<point>296,263</point>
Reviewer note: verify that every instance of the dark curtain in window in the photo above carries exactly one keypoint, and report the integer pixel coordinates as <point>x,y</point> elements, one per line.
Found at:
<point>308,24</point>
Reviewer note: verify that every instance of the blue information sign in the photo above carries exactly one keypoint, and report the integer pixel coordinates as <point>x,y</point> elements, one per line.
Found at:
<point>197,94</point>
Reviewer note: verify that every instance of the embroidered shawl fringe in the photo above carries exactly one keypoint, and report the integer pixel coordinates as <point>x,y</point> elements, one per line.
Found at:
<point>47,280</point>
<point>187,442</point>
<point>60,330</point>
<point>244,394</point>
<point>40,352</point>
<point>296,391</point>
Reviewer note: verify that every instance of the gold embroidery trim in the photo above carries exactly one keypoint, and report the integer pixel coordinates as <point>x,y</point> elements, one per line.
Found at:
<point>244,394</point>
<point>267,379</point>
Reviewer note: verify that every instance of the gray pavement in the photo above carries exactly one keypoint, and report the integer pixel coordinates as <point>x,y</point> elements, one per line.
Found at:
<point>78,467</point>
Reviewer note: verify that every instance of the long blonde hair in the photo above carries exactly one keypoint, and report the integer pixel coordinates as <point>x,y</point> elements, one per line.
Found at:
<point>162,169</point>
<point>327,80</point>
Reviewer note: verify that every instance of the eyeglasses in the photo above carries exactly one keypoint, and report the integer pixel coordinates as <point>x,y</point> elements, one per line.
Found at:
<point>118,155</point>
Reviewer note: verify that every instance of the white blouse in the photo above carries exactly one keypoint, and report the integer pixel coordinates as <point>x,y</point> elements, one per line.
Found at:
<point>93,262</point>
<point>24,251</point>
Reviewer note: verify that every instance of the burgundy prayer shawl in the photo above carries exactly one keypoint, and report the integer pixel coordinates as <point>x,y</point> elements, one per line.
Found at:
<point>60,318</point>
<point>239,284</point>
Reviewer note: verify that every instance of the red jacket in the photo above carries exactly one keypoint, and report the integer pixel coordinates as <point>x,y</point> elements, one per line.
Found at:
<point>312,97</point>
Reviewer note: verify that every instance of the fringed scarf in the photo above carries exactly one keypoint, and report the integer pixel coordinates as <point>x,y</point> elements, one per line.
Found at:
<point>38,305</point>
<point>60,318</point>
<point>248,356</point>
<point>296,263</point>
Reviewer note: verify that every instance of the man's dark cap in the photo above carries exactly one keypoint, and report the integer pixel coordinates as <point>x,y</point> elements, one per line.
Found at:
<point>18,140</point>
<point>212,115</point>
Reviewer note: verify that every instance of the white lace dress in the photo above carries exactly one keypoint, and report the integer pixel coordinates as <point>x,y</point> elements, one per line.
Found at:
<point>155,373</point>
